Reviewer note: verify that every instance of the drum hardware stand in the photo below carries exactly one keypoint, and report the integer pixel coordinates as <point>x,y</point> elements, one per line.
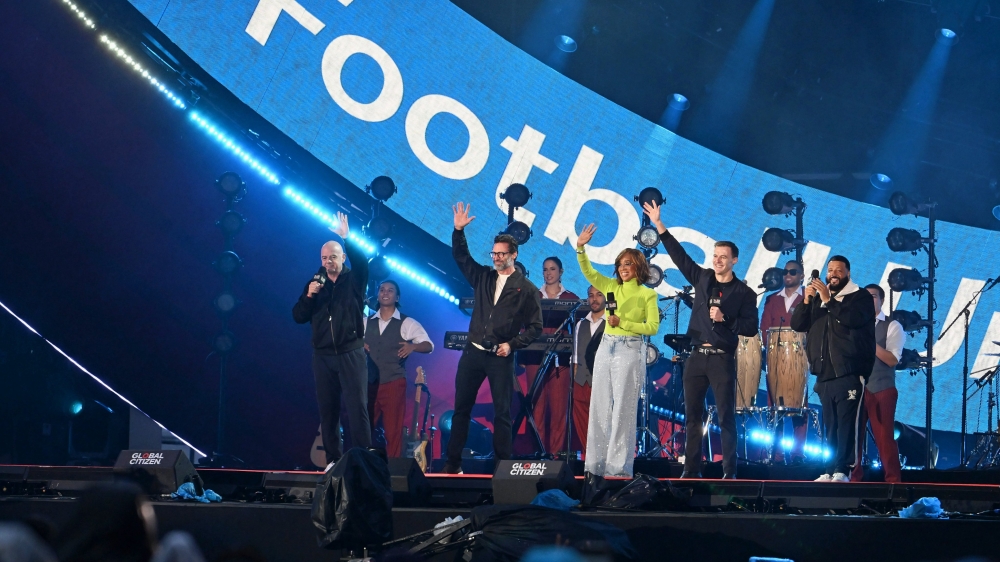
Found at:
<point>645,436</point>
<point>988,447</point>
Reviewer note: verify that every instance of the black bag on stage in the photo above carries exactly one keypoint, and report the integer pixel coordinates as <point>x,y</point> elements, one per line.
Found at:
<point>352,506</point>
<point>647,493</point>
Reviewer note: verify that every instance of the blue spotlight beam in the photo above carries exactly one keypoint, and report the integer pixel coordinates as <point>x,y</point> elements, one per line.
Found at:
<point>96,378</point>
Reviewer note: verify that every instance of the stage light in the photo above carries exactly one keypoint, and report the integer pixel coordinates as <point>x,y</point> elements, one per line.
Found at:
<point>520,267</point>
<point>519,231</point>
<point>228,263</point>
<point>231,185</point>
<point>655,276</point>
<point>778,240</point>
<point>379,228</point>
<point>378,269</point>
<point>946,36</point>
<point>225,303</point>
<point>648,237</point>
<point>516,195</point>
<point>233,147</point>
<point>996,212</point>
<point>910,360</point>
<point>565,43</point>
<point>652,355</point>
<point>910,321</point>
<point>881,181</point>
<point>679,102</point>
<point>76,407</point>
<point>779,203</point>
<point>231,223</point>
<point>381,188</point>
<point>901,205</point>
<point>650,195</point>
<point>787,443</point>
<point>120,53</point>
<point>902,280</point>
<point>224,343</point>
<point>773,279</point>
<point>904,240</point>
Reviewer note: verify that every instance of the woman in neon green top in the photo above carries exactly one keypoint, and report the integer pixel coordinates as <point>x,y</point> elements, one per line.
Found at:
<point>620,364</point>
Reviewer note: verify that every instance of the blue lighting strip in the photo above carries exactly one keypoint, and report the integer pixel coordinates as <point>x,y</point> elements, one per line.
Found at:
<point>227,142</point>
<point>99,381</point>
<point>122,54</point>
<point>367,246</point>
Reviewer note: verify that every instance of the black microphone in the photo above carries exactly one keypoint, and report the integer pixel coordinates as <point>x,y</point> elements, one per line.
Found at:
<point>320,276</point>
<point>610,303</point>
<point>715,301</point>
<point>815,275</point>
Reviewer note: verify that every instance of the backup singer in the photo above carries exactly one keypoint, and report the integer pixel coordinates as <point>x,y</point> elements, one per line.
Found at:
<point>586,340</point>
<point>506,302</point>
<point>839,319</point>
<point>334,303</point>
<point>723,309</point>
<point>551,404</point>
<point>879,406</point>
<point>777,313</point>
<point>620,362</point>
<point>390,337</point>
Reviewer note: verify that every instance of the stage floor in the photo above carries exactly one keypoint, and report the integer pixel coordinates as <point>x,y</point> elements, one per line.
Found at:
<point>727,520</point>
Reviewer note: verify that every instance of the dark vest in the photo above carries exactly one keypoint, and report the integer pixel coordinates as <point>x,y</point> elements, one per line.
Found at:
<point>586,349</point>
<point>883,376</point>
<point>383,350</point>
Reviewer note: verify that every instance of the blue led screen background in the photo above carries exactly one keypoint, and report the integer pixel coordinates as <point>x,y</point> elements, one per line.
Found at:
<point>425,94</point>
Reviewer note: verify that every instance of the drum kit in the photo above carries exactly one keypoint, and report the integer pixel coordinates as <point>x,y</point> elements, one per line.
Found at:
<point>784,356</point>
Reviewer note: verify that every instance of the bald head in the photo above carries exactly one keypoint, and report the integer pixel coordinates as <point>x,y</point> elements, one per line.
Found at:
<point>332,257</point>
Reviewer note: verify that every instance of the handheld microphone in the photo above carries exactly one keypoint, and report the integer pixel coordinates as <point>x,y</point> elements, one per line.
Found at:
<point>320,276</point>
<point>715,301</point>
<point>611,304</point>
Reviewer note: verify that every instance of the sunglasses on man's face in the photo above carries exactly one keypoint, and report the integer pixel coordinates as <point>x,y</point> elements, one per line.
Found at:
<point>791,272</point>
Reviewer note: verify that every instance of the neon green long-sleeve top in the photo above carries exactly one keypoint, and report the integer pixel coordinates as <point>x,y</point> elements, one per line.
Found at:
<point>637,307</point>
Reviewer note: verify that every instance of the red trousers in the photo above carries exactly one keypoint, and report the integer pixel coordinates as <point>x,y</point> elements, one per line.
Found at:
<point>550,406</point>
<point>581,415</point>
<point>880,410</point>
<point>389,401</point>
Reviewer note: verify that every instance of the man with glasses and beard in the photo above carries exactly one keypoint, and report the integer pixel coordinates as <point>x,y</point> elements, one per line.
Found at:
<point>778,309</point>
<point>505,303</point>
<point>839,319</point>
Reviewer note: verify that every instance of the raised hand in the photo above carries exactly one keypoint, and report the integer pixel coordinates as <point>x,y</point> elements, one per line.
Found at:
<point>586,235</point>
<point>652,210</point>
<point>462,218</point>
<point>342,228</point>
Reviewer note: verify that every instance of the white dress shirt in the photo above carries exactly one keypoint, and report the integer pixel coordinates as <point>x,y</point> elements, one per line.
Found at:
<point>411,330</point>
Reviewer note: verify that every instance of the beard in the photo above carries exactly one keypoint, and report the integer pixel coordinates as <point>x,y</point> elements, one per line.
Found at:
<point>838,283</point>
<point>505,265</point>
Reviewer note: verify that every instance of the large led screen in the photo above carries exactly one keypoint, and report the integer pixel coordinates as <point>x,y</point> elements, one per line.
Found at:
<point>423,93</point>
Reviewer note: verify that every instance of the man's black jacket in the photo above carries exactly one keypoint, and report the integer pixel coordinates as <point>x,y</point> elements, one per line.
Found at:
<point>739,302</point>
<point>337,310</point>
<point>847,326</point>
<point>519,305</point>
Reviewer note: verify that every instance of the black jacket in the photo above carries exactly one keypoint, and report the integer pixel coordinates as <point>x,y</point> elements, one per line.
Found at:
<point>840,335</point>
<point>337,310</point>
<point>519,305</point>
<point>739,302</point>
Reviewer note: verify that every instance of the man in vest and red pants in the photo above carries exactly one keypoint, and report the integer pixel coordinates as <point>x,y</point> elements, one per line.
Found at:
<point>390,337</point>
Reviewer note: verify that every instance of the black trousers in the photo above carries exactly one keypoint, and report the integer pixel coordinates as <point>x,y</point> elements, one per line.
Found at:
<point>700,372</point>
<point>841,399</point>
<point>474,367</point>
<point>342,377</point>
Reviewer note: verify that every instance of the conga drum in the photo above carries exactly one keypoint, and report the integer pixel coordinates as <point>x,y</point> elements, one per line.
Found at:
<point>786,368</point>
<point>748,359</point>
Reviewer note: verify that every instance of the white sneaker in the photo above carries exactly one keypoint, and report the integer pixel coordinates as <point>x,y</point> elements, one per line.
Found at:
<point>840,477</point>
<point>823,478</point>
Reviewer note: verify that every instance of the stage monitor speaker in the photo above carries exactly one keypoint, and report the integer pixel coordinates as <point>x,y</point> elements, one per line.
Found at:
<point>518,482</point>
<point>409,485</point>
<point>158,471</point>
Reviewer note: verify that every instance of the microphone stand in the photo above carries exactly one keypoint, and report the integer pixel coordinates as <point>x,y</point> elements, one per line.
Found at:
<point>965,313</point>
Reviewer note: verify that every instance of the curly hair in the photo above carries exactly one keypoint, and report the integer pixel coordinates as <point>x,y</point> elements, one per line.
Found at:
<point>641,266</point>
